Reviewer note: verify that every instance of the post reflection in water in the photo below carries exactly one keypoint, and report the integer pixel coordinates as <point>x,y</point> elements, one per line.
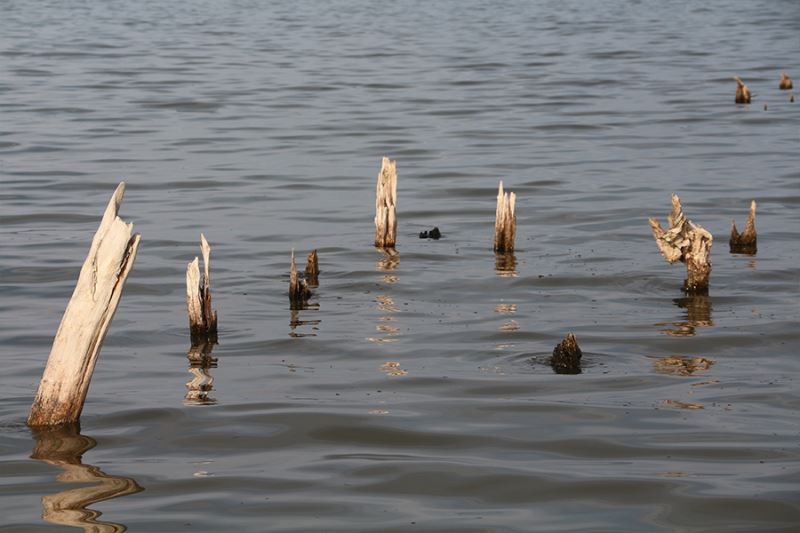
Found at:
<point>505,265</point>
<point>64,447</point>
<point>698,315</point>
<point>202,382</point>
<point>387,323</point>
<point>390,260</point>
<point>295,322</point>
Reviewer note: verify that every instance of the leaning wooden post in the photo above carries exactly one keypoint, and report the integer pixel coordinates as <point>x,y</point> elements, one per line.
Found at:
<point>299,292</point>
<point>312,269</point>
<point>65,382</point>
<point>385,205</point>
<point>505,221</point>
<point>745,242</point>
<point>686,242</point>
<point>202,318</point>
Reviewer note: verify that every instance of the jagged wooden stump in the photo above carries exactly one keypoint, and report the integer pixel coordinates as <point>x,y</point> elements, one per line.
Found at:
<point>567,356</point>
<point>745,242</point>
<point>505,221</point>
<point>299,293</point>
<point>312,269</point>
<point>65,381</point>
<point>385,205</point>
<point>742,92</point>
<point>202,318</point>
<point>686,242</point>
<point>786,82</point>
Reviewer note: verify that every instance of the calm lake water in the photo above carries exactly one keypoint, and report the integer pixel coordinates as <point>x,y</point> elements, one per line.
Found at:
<point>415,393</point>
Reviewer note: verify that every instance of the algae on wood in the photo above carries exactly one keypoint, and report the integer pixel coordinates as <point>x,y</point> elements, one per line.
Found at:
<point>65,381</point>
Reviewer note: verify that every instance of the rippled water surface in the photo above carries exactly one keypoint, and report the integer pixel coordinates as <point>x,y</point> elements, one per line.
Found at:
<point>414,393</point>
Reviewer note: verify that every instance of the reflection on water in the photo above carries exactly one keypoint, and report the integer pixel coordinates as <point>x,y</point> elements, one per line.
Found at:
<point>295,321</point>
<point>64,447</point>
<point>698,315</point>
<point>505,265</point>
<point>680,365</point>
<point>202,382</point>
<point>392,368</point>
<point>387,324</point>
<point>390,260</point>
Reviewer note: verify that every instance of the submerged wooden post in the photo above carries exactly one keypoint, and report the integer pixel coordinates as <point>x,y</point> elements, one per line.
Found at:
<point>65,382</point>
<point>686,242</point>
<point>385,205</point>
<point>312,269</point>
<point>786,82</point>
<point>567,356</point>
<point>299,293</point>
<point>742,92</point>
<point>505,221</point>
<point>202,318</point>
<point>745,242</point>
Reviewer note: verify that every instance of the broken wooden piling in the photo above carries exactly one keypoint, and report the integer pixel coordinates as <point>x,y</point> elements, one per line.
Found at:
<point>742,92</point>
<point>202,318</point>
<point>385,205</point>
<point>65,381</point>
<point>505,221</point>
<point>299,293</point>
<point>686,242</point>
<point>786,82</point>
<point>745,242</point>
<point>312,269</point>
<point>567,356</point>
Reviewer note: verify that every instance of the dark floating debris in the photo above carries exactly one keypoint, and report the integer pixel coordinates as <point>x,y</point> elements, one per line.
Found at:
<point>434,234</point>
<point>688,243</point>
<point>745,242</point>
<point>312,269</point>
<point>299,293</point>
<point>567,356</point>
<point>202,318</point>
<point>786,82</point>
<point>791,99</point>
<point>505,221</point>
<point>742,92</point>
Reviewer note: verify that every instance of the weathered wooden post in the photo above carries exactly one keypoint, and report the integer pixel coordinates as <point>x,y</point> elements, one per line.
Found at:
<point>567,356</point>
<point>385,205</point>
<point>312,269</point>
<point>745,242</point>
<point>202,318</point>
<point>505,221</point>
<point>786,82</point>
<point>299,293</point>
<point>65,381</point>
<point>742,92</point>
<point>686,242</point>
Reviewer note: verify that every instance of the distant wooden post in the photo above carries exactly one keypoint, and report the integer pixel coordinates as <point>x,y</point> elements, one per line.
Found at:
<point>505,221</point>
<point>385,205</point>
<point>312,269</point>
<point>65,382</point>
<point>745,242</point>
<point>686,242</point>
<point>742,92</point>
<point>299,293</point>
<point>786,82</point>
<point>202,318</point>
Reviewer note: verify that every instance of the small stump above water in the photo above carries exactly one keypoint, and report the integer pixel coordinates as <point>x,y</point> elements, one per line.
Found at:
<point>299,293</point>
<point>742,92</point>
<point>505,221</point>
<point>567,356</point>
<point>202,318</point>
<point>745,242</point>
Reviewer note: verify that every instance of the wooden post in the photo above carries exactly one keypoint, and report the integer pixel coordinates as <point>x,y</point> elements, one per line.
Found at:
<point>567,356</point>
<point>202,318</point>
<point>299,292</point>
<point>745,242</point>
<point>505,221</point>
<point>786,82</point>
<point>686,242</point>
<point>312,269</point>
<point>742,92</point>
<point>65,382</point>
<point>385,205</point>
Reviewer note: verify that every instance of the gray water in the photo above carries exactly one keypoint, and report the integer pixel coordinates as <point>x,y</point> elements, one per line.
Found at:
<point>414,394</point>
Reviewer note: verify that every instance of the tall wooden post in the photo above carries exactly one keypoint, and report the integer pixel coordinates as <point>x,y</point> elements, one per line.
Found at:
<point>385,205</point>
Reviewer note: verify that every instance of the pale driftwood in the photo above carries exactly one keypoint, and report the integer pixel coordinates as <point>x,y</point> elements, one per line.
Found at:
<point>567,356</point>
<point>312,269</point>
<point>742,92</point>
<point>385,205</point>
<point>299,293</point>
<point>745,242</point>
<point>202,318</point>
<point>786,82</point>
<point>686,242</point>
<point>505,221</point>
<point>65,381</point>
<point>63,446</point>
